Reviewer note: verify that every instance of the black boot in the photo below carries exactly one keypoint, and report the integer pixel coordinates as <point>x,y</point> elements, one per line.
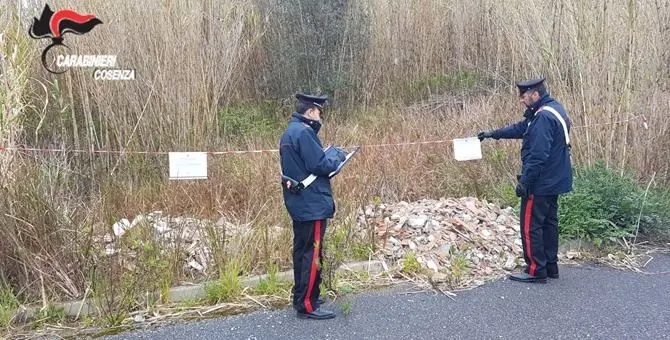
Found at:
<point>318,314</point>
<point>525,277</point>
<point>552,270</point>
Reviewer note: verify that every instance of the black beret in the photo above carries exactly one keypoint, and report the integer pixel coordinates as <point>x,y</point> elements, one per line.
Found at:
<point>318,101</point>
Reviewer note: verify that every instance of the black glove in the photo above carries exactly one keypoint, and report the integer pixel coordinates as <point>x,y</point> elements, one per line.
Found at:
<point>522,190</point>
<point>484,134</point>
<point>341,154</point>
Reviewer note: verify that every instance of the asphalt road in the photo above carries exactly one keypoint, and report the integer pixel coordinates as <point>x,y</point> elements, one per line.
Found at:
<point>585,303</point>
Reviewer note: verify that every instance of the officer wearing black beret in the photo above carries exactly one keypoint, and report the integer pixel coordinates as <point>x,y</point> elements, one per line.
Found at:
<point>309,200</point>
<point>546,173</point>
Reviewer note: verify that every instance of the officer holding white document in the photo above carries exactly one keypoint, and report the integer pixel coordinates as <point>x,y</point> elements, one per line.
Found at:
<point>546,173</point>
<point>308,198</point>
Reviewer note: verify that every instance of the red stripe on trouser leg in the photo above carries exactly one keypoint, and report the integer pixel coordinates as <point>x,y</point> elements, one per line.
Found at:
<point>315,259</point>
<point>526,231</point>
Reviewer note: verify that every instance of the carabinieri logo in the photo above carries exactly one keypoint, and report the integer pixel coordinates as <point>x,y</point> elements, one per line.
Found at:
<point>53,25</point>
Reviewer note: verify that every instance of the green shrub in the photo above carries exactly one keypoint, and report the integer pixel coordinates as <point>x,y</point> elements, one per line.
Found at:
<point>503,194</point>
<point>258,120</point>
<point>229,285</point>
<point>411,264</point>
<point>8,303</point>
<point>273,285</point>
<point>605,206</point>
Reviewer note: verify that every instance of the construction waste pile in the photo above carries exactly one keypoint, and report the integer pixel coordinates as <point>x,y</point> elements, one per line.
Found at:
<point>451,239</point>
<point>193,238</point>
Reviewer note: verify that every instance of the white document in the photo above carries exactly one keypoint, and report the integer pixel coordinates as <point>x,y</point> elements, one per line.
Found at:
<point>188,165</point>
<point>467,149</point>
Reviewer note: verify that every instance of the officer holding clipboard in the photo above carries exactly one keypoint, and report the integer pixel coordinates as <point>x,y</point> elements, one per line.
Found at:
<point>308,198</point>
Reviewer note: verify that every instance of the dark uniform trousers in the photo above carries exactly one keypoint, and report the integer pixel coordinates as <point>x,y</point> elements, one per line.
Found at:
<point>307,254</point>
<point>539,234</point>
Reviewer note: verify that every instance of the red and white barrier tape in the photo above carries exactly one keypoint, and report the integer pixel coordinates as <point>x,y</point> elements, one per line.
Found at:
<point>26,149</point>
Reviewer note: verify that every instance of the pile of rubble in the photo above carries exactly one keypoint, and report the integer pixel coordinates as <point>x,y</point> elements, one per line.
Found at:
<point>442,234</point>
<point>448,232</point>
<point>191,237</point>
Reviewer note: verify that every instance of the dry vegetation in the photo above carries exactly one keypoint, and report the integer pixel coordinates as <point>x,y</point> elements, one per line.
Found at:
<point>220,75</point>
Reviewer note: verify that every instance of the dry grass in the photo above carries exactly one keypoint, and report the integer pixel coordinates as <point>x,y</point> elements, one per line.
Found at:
<point>408,71</point>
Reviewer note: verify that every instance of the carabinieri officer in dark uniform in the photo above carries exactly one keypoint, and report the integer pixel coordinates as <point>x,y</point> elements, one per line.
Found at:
<point>308,199</point>
<point>546,173</point>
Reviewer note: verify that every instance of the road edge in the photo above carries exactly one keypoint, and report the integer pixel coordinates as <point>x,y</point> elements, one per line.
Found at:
<point>86,307</point>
